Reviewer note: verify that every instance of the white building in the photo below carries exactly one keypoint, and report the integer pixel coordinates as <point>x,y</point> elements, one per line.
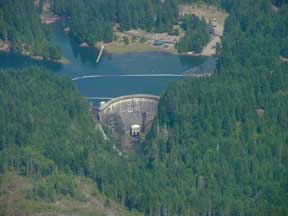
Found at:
<point>135,130</point>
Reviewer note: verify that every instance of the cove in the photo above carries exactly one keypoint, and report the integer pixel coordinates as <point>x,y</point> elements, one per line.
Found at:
<point>83,63</point>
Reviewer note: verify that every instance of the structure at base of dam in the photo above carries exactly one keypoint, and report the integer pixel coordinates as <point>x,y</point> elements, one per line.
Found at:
<point>123,114</point>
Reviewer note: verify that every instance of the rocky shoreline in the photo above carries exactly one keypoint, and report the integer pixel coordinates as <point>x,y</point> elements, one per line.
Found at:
<point>5,48</point>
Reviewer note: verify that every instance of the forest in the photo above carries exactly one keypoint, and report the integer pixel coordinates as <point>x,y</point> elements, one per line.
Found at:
<point>91,21</point>
<point>20,25</point>
<point>226,153</point>
<point>44,123</point>
<point>227,147</point>
<point>197,34</point>
<point>228,138</point>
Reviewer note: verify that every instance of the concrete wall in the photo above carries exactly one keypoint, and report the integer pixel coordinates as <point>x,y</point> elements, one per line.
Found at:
<point>129,110</point>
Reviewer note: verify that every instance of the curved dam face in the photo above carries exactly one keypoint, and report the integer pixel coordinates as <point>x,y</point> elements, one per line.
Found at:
<point>121,113</point>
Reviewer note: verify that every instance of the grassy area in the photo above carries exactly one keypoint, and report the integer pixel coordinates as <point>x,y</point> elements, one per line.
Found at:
<point>15,189</point>
<point>137,40</point>
<point>118,48</point>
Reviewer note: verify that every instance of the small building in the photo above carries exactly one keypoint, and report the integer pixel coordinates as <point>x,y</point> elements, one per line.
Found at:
<point>135,130</point>
<point>102,104</point>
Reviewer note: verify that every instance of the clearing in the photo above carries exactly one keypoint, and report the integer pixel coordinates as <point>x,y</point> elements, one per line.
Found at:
<point>15,190</point>
<point>137,40</point>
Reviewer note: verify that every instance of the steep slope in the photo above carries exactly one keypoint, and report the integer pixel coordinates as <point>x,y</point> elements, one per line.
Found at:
<point>47,138</point>
<point>219,145</point>
<point>45,124</point>
<point>227,148</point>
<point>17,197</point>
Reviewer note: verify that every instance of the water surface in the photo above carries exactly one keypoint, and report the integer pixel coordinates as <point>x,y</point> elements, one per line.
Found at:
<point>83,62</point>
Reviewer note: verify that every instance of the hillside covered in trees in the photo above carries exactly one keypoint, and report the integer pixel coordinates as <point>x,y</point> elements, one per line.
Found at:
<point>91,21</point>
<point>226,152</point>
<point>47,139</point>
<point>227,149</point>
<point>20,26</point>
<point>197,34</point>
<point>45,124</point>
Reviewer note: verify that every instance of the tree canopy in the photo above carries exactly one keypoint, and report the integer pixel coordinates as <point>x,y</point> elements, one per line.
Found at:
<point>197,34</point>
<point>92,20</point>
<point>218,145</point>
<point>20,25</point>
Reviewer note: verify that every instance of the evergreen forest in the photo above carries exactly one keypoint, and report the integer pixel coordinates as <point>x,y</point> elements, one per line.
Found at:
<point>20,25</point>
<point>197,34</point>
<point>92,21</point>
<point>226,148</point>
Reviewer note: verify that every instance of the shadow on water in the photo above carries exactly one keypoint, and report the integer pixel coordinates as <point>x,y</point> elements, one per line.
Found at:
<point>16,61</point>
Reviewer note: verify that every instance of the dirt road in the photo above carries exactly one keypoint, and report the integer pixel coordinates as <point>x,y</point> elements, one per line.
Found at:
<point>212,15</point>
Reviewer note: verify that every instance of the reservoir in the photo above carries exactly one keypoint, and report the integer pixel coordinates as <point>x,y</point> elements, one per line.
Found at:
<point>83,63</point>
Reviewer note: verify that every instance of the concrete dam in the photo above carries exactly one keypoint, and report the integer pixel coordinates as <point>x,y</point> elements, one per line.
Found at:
<point>126,112</point>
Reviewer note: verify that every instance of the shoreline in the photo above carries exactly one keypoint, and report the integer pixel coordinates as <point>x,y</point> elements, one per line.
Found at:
<point>134,36</point>
<point>128,50</point>
<point>5,47</point>
<point>62,61</point>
